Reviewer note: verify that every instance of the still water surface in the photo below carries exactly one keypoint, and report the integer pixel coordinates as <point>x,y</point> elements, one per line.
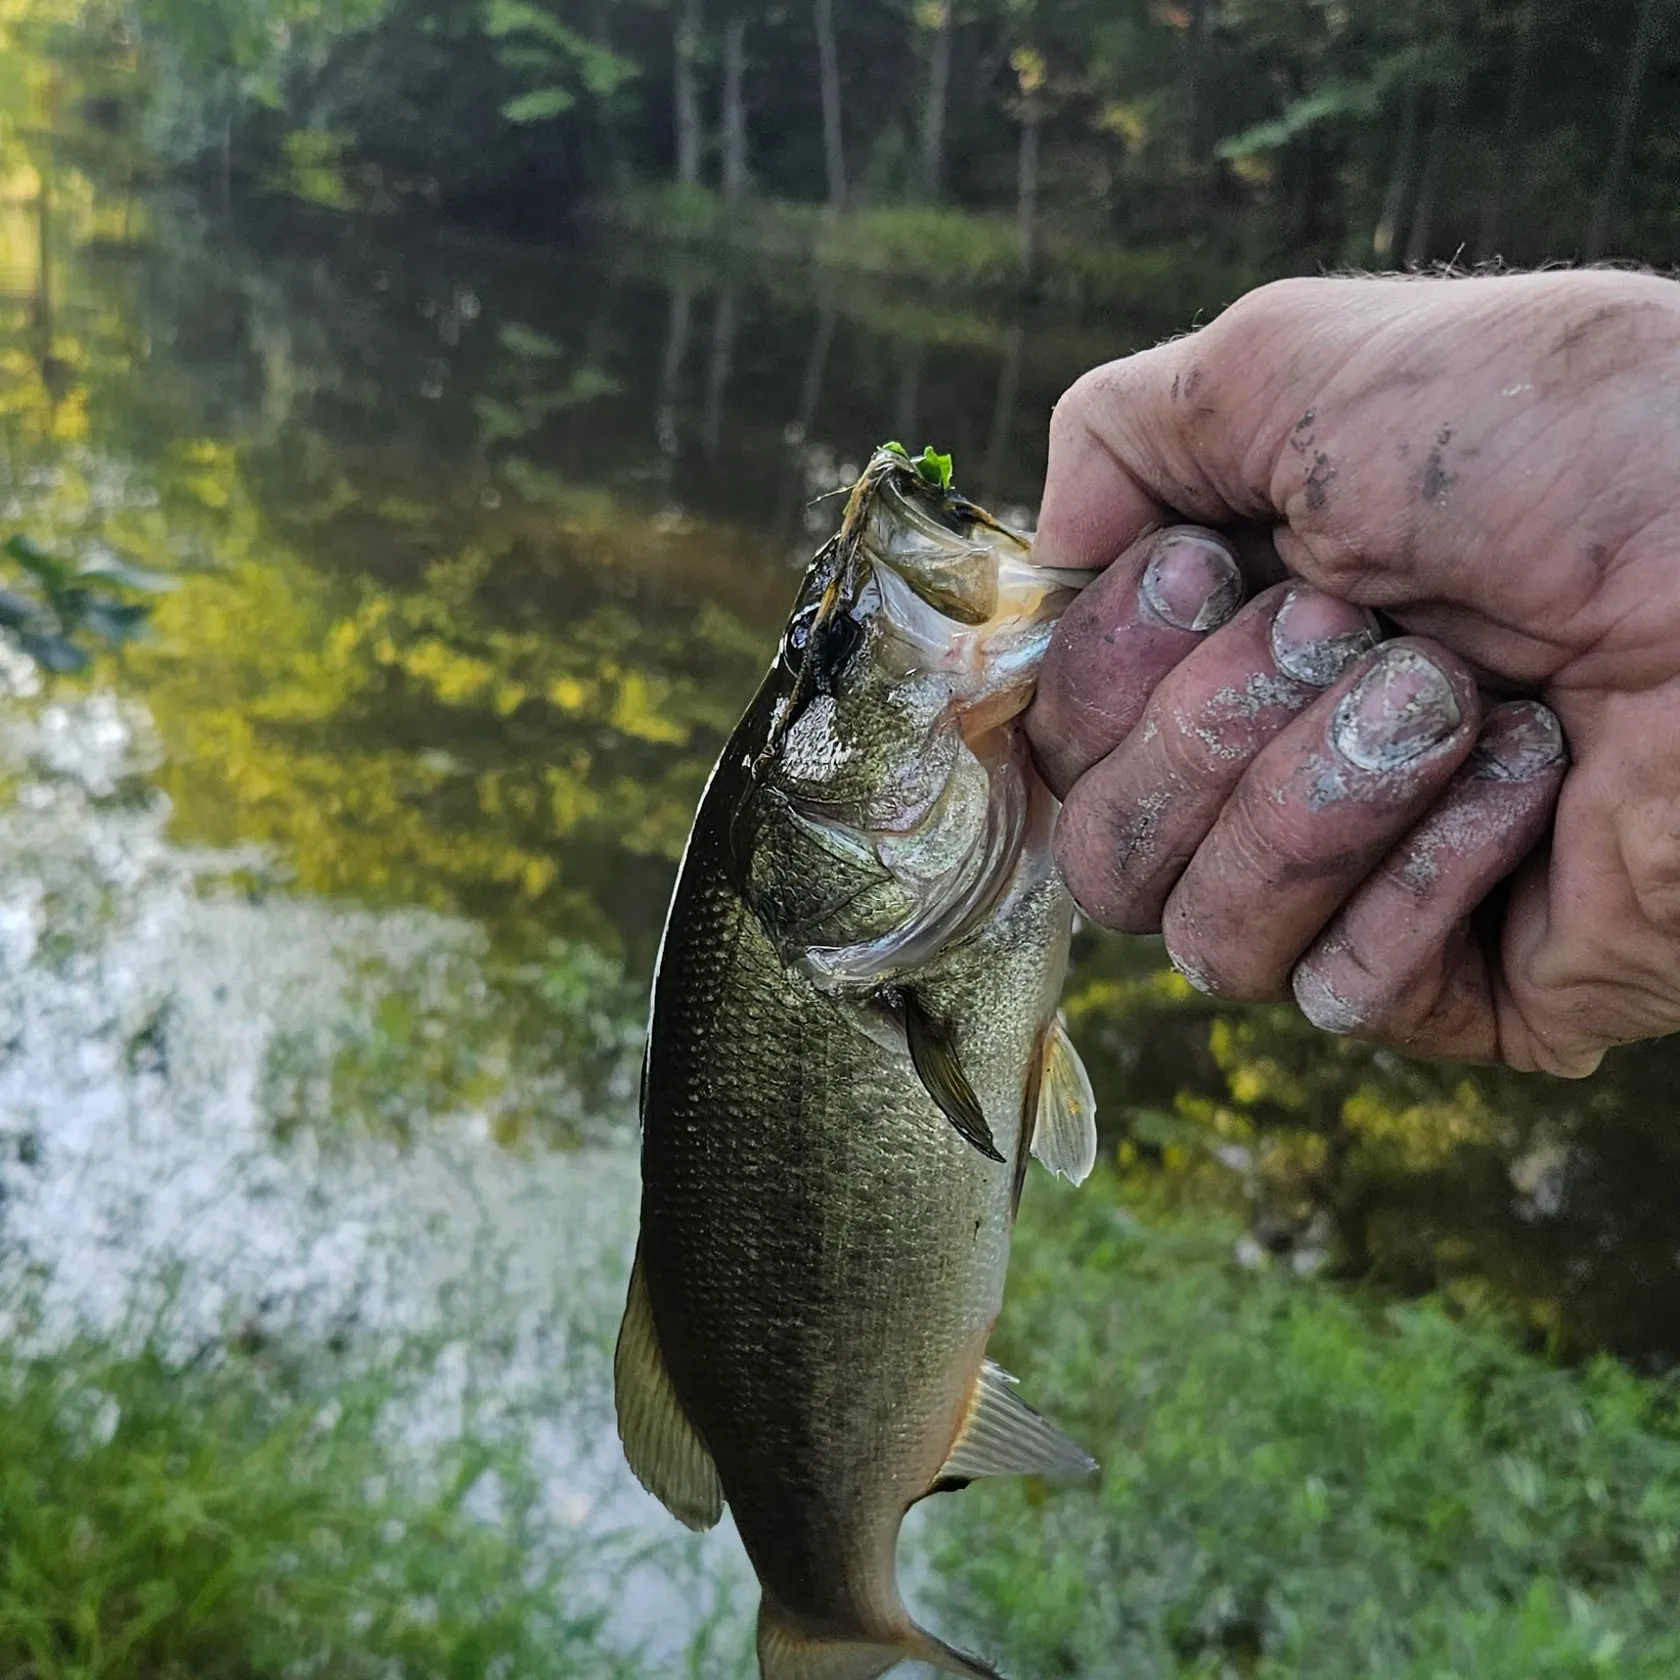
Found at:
<point>326,914</point>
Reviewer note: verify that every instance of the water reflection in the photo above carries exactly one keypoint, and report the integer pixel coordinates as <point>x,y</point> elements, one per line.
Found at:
<point>482,551</point>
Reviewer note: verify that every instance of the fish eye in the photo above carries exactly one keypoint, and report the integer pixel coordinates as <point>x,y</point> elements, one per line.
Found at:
<point>799,630</point>
<point>824,649</point>
<point>837,641</point>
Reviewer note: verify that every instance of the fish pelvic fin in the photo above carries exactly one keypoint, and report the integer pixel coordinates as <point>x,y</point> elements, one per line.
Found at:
<point>787,1652</point>
<point>663,1447</point>
<point>1003,1436</point>
<point>1064,1135</point>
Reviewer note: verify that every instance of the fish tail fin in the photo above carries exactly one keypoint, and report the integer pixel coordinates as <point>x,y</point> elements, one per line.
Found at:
<point>937,1654</point>
<point>787,1652</point>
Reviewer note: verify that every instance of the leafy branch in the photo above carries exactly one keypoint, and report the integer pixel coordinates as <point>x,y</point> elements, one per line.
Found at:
<point>58,602</point>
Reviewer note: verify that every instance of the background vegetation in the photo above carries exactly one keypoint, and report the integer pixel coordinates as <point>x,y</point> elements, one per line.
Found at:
<point>471,372</point>
<point>1276,131</point>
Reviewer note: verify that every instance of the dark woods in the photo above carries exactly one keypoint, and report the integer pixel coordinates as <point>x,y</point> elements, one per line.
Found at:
<point>1363,131</point>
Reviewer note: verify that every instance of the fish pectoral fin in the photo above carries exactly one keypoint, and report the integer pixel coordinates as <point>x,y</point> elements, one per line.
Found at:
<point>786,1652</point>
<point>1003,1436</point>
<point>936,1064</point>
<point>668,1456</point>
<point>1064,1132</point>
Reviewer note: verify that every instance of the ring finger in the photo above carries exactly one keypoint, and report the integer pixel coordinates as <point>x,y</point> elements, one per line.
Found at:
<point>1132,822</point>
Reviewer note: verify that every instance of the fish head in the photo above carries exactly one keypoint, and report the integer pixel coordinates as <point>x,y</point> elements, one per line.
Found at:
<point>890,793</point>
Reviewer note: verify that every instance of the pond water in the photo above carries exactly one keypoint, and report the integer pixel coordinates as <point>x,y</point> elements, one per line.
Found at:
<point>328,910</point>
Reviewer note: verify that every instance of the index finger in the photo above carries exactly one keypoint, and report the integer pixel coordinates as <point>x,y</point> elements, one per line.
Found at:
<point>1103,486</point>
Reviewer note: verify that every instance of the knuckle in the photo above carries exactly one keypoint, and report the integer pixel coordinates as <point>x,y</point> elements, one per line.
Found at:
<point>1106,853</point>
<point>1091,395</point>
<point>1212,965</point>
<point>1651,855</point>
<point>1257,315</point>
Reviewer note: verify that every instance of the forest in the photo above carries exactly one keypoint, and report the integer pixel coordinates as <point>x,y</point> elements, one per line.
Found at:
<point>412,420</point>
<point>966,140</point>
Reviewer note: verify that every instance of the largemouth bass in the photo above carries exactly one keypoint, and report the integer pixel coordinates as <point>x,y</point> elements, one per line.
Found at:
<point>853,1045</point>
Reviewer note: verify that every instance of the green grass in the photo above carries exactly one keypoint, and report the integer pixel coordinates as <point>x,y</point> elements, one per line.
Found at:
<point>1298,1482</point>
<point>966,254</point>
<point>211,1521</point>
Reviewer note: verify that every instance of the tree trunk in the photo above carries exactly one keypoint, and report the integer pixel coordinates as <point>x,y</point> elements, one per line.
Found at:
<point>1389,225</point>
<point>1026,194</point>
<point>908,405</point>
<point>734,110</point>
<point>1385,239</point>
<point>1429,188</point>
<point>799,432</point>
<point>828,70</point>
<point>816,365</point>
<point>718,370</point>
<point>41,310</point>
<point>685,83</point>
<point>1195,62</point>
<point>933,106</point>
<point>1003,413</point>
<point>1505,158</point>
<point>1645,34</point>
<point>612,130</point>
<point>670,373</point>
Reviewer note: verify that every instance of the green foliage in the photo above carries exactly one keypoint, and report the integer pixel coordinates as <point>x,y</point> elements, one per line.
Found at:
<point>64,604</point>
<point>945,253</point>
<point>314,168</point>
<point>1299,1484</point>
<point>226,1517</point>
<point>555,54</point>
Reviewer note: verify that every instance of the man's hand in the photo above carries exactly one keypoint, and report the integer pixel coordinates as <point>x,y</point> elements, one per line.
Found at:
<point>1494,463</point>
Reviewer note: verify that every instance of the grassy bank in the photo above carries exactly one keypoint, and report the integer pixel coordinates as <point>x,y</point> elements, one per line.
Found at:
<point>1300,1483</point>
<point>967,254</point>
<point>228,1522</point>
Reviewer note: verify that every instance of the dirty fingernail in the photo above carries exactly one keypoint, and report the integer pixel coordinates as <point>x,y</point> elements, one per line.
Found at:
<point>1191,582</point>
<point>1517,743</point>
<point>1396,712</point>
<point>1312,639</point>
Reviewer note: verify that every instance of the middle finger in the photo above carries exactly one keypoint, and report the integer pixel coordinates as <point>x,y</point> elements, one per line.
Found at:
<point>1314,814</point>
<point>1134,819</point>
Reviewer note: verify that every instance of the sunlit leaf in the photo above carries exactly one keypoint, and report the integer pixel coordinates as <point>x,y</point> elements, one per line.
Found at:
<point>115,621</point>
<point>538,105</point>
<point>17,610</point>
<point>53,653</point>
<point>122,575</point>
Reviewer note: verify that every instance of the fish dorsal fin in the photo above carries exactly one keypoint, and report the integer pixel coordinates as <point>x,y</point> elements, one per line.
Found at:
<point>1065,1132</point>
<point>935,1059</point>
<point>786,1652</point>
<point>669,1458</point>
<point>1003,1436</point>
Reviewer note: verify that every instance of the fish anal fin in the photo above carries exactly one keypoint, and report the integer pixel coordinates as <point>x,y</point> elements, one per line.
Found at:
<point>1064,1132</point>
<point>935,1059</point>
<point>668,1456</point>
<point>1003,1436</point>
<point>787,1652</point>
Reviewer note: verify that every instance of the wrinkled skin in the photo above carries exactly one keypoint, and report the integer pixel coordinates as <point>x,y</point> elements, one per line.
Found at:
<point>1491,462</point>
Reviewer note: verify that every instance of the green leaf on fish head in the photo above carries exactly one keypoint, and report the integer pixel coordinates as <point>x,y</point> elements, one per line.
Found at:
<point>935,468</point>
<point>931,467</point>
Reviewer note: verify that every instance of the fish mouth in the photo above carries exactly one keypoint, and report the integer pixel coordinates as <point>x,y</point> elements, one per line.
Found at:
<point>990,639</point>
